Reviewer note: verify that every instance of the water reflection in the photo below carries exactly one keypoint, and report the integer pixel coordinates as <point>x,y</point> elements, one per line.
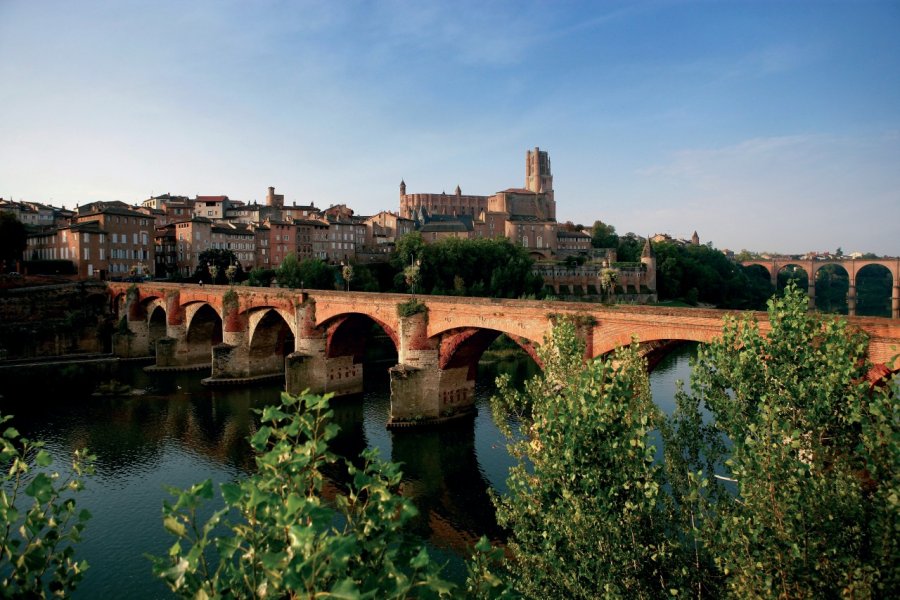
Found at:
<point>181,432</point>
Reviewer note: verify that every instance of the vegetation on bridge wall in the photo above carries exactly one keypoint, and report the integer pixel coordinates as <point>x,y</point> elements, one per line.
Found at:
<point>411,307</point>
<point>230,301</point>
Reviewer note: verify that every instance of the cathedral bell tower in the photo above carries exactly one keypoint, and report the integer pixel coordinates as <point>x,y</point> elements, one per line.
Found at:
<point>537,172</point>
<point>539,179</point>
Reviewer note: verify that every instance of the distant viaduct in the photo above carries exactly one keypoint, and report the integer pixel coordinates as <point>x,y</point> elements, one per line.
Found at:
<point>850,266</point>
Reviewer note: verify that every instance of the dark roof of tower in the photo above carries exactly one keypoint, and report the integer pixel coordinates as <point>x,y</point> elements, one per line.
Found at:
<point>648,250</point>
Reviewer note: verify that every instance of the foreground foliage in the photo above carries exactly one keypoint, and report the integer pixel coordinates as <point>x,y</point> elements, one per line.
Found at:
<point>585,506</point>
<point>780,476</point>
<point>39,520</point>
<point>812,450</point>
<point>278,537</point>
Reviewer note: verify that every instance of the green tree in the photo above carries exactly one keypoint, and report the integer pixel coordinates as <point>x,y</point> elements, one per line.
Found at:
<point>39,519</point>
<point>260,277</point>
<point>745,254</point>
<point>276,536</point>
<point>703,274</point>
<point>585,507</point>
<point>477,267</point>
<point>608,280</point>
<point>409,248</point>
<point>630,247</point>
<point>13,241</point>
<point>603,235</point>
<point>212,266</point>
<point>792,483</point>
<point>312,274</point>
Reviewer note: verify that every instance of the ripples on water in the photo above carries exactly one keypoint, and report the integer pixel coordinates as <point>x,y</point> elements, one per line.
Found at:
<point>183,433</point>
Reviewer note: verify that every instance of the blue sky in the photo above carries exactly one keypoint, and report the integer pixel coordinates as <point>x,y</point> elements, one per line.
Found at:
<point>762,125</point>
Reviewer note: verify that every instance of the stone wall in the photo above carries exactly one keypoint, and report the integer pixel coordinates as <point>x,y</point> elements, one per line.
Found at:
<point>55,320</point>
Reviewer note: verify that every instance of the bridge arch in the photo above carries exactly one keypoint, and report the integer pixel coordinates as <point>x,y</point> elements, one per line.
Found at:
<point>271,340</point>
<point>117,304</point>
<point>758,270</point>
<point>256,314</point>
<point>156,322</point>
<point>203,330</point>
<point>656,351</point>
<point>464,347</point>
<point>766,265</point>
<point>875,283</point>
<point>832,286</point>
<point>347,334</point>
<point>796,271</point>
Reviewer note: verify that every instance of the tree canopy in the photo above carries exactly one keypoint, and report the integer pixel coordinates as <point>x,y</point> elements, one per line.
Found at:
<point>703,274</point>
<point>604,236</point>
<point>213,265</point>
<point>312,273</point>
<point>463,267</point>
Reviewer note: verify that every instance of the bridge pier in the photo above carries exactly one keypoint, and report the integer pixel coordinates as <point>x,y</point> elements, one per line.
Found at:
<point>310,367</point>
<point>173,352</point>
<point>230,361</point>
<point>136,342</point>
<point>421,392</point>
<point>851,298</point>
<point>320,375</point>
<point>895,301</point>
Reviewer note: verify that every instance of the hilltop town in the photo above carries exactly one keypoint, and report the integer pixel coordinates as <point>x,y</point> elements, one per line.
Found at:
<point>164,236</point>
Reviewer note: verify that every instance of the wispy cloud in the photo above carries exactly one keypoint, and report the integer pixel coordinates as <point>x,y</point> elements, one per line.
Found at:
<point>794,191</point>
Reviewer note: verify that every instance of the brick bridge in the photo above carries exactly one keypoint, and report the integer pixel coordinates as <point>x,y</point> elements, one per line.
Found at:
<point>850,266</point>
<point>317,339</point>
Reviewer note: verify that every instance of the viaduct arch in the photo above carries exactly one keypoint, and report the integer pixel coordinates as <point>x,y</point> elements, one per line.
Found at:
<point>315,339</point>
<point>852,266</point>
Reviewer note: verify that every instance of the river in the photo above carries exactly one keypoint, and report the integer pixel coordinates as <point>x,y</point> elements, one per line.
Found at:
<point>181,433</point>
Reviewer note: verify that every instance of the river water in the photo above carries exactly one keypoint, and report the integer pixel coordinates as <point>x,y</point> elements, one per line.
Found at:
<point>181,433</point>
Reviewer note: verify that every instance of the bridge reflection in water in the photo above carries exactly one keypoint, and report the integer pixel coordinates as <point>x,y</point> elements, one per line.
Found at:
<point>182,432</point>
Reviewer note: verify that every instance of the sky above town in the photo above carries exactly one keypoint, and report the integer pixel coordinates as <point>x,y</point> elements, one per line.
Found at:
<point>770,126</point>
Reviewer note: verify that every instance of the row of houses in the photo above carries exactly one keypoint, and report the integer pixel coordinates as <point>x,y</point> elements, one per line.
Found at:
<point>166,234</point>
